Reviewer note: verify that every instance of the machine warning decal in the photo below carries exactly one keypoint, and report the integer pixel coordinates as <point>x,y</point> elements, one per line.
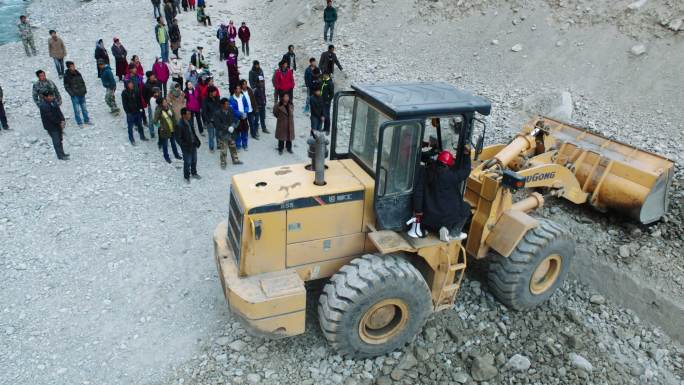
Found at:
<point>540,176</point>
<point>301,203</point>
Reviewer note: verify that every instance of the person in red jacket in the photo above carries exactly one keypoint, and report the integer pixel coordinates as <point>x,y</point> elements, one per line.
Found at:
<point>161,70</point>
<point>283,81</point>
<point>244,35</point>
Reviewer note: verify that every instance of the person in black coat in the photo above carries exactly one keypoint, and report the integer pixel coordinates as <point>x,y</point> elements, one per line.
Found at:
<point>76,88</point>
<point>101,54</point>
<point>317,110</point>
<point>53,123</point>
<point>328,61</point>
<point>130,99</point>
<point>290,57</point>
<point>189,142</point>
<point>437,199</point>
<point>210,105</point>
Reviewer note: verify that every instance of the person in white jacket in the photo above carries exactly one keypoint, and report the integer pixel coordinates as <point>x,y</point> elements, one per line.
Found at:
<point>176,69</point>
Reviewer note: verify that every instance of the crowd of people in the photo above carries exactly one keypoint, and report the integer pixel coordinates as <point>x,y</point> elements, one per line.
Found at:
<point>170,101</point>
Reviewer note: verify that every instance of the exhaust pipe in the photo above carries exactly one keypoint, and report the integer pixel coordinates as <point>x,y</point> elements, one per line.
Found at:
<point>318,152</point>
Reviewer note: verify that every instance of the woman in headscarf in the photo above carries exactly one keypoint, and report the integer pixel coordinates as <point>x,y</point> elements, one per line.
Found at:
<point>101,55</point>
<point>119,52</point>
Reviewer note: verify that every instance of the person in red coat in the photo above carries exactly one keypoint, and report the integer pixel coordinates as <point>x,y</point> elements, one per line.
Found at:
<point>244,35</point>
<point>138,65</point>
<point>283,81</point>
<point>161,70</point>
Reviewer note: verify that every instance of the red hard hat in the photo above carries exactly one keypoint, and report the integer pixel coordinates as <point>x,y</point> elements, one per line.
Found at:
<point>446,158</point>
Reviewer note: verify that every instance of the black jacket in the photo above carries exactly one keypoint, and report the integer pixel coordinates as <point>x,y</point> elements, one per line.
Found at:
<point>131,101</point>
<point>317,105</point>
<point>291,59</point>
<point>174,33</point>
<point>209,108</point>
<point>222,121</point>
<point>254,77</point>
<point>328,91</point>
<point>328,62</point>
<point>74,84</point>
<point>148,89</point>
<point>101,54</point>
<point>51,115</point>
<point>186,136</point>
<point>438,194</point>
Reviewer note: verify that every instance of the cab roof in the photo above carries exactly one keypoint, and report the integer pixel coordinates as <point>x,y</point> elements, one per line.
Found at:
<point>421,100</point>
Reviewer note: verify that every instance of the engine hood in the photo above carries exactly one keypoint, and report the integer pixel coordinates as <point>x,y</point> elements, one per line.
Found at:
<point>286,187</point>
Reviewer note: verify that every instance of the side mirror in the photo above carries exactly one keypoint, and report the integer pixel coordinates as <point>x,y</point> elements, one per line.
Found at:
<point>480,140</point>
<point>479,146</point>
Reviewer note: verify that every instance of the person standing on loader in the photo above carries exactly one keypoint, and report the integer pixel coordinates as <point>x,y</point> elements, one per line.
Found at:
<point>437,201</point>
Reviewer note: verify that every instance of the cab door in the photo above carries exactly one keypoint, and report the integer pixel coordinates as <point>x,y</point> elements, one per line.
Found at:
<point>344,106</point>
<point>397,158</point>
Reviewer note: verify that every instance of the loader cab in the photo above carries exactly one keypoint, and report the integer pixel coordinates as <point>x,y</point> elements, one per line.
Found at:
<point>388,130</point>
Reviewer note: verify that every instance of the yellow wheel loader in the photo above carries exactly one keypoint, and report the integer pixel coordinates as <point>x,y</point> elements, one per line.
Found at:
<point>344,221</point>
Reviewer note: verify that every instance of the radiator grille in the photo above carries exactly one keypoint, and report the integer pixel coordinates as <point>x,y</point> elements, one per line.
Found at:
<point>235,219</point>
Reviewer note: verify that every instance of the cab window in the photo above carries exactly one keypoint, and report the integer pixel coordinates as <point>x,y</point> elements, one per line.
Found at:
<point>364,138</point>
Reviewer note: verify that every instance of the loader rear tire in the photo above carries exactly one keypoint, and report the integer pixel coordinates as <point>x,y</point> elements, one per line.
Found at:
<point>373,306</point>
<point>535,269</point>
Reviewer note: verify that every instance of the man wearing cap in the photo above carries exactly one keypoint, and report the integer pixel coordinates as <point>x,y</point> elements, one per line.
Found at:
<point>109,83</point>
<point>76,88</point>
<point>53,122</point>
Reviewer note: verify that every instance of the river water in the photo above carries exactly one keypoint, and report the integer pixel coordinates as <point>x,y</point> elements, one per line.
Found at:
<point>9,17</point>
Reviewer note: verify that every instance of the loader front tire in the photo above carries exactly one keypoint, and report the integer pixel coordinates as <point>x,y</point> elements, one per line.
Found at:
<point>373,306</point>
<point>535,269</point>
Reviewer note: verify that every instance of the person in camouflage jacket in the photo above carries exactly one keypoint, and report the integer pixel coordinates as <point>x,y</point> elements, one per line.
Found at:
<point>26,36</point>
<point>44,84</point>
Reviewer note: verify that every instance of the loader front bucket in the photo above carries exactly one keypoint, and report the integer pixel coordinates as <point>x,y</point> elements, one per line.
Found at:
<point>616,176</point>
